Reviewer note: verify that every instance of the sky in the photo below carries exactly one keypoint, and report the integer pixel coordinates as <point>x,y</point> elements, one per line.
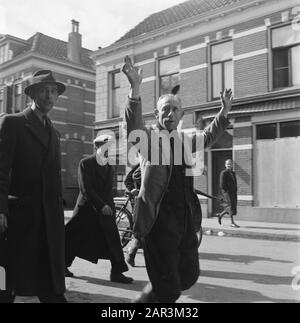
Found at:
<point>102,22</point>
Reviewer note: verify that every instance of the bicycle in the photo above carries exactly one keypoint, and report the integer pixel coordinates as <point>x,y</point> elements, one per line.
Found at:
<point>124,219</point>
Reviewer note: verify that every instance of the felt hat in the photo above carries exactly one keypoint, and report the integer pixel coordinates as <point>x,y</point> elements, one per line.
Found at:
<point>43,77</point>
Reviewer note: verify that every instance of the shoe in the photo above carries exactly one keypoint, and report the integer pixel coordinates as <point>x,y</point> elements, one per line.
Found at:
<point>68,273</point>
<point>234,225</point>
<point>120,278</point>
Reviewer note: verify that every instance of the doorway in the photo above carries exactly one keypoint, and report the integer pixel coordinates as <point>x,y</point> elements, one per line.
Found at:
<point>218,165</point>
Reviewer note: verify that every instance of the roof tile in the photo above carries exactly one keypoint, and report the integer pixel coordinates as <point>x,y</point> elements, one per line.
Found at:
<point>54,48</point>
<point>175,14</point>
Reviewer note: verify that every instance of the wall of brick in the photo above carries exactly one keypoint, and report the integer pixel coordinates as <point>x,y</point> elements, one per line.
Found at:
<point>251,76</point>
<point>243,136</point>
<point>193,58</point>
<point>243,166</point>
<point>102,93</point>
<point>194,87</point>
<point>250,43</point>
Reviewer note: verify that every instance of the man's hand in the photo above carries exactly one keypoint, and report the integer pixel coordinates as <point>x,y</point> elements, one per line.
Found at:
<point>134,76</point>
<point>107,211</point>
<point>3,223</point>
<point>226,100</point>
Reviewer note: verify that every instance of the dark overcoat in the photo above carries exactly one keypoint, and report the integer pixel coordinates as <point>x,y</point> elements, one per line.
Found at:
<point>90,235</point>
<point>30,169</point>
<point>228,184</point>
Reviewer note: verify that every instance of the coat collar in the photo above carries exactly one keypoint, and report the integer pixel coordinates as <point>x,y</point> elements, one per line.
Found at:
<point>36,127</point>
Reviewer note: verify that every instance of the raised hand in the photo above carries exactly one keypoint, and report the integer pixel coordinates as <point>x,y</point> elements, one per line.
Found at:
<point>134,74</point>
<point>226,101</point>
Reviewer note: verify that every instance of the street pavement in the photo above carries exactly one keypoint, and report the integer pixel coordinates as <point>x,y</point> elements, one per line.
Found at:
<point>234,270</point>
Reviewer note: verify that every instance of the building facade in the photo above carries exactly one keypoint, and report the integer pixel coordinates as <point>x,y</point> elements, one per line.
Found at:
<point>205,46</point>
<point>74,114</point>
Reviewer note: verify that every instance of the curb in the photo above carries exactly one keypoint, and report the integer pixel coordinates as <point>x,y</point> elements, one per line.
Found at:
<point>238,233</point>
<point>250,234</point>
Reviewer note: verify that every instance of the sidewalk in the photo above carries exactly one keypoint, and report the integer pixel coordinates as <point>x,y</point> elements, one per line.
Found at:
<point>248,229</point>
<point>254,230</point>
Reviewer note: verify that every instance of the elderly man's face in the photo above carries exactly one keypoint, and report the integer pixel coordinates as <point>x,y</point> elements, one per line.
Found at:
<point>45,97</point>
<point>169,112</point>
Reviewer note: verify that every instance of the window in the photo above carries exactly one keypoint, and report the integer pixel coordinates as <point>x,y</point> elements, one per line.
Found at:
<point>115,94</point>
<point>18,98</point>
<point>286,57</point>
<point>290,129</point>
<point>266,131</point>
<point>169,75</point>
<point>4,54</point>
<point>286,129</point>
<point>276,165</point>
<point>222,68</point>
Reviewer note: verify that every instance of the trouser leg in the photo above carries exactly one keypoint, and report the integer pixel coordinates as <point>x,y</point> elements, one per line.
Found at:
<point>162,268</point>
<point>189,267</point>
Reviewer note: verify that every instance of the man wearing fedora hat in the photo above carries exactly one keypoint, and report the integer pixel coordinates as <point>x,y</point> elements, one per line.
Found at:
<point>92,233</point>
<point>30,170</point>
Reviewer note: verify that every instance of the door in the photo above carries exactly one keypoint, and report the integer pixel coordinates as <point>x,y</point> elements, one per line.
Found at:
<point>218,164</point>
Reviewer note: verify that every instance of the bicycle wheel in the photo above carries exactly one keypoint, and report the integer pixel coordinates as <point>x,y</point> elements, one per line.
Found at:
<point>124,222</point>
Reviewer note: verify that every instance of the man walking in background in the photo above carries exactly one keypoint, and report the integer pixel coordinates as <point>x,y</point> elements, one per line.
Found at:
<point>92,233</point>
<point>228,185</point>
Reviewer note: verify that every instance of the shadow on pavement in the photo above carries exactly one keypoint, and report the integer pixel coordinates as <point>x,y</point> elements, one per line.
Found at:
<point>219,294</point>
<point>255,278</point>
<point>136,286</point>
<point>79,297</point>
<point>245,259</point>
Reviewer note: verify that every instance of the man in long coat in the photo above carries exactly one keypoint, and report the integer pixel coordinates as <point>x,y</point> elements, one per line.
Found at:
<point>228,185</point>
<point>167,213</point>
<point>30,170</point>
<point>92,233</point>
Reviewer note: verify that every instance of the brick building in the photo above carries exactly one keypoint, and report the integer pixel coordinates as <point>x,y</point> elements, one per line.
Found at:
<point>250,46</point>
<point>74,114</point>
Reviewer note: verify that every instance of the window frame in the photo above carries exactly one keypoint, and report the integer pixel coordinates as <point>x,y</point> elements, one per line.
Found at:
<point>212,64</point>
<point>278,128</point>
<point>271,66</point>
<point>160,76</point>
<point>112,91</point>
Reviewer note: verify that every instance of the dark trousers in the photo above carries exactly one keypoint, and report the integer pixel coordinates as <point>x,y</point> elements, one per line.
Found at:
<point>171,254</point>
<point>6,297</point>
